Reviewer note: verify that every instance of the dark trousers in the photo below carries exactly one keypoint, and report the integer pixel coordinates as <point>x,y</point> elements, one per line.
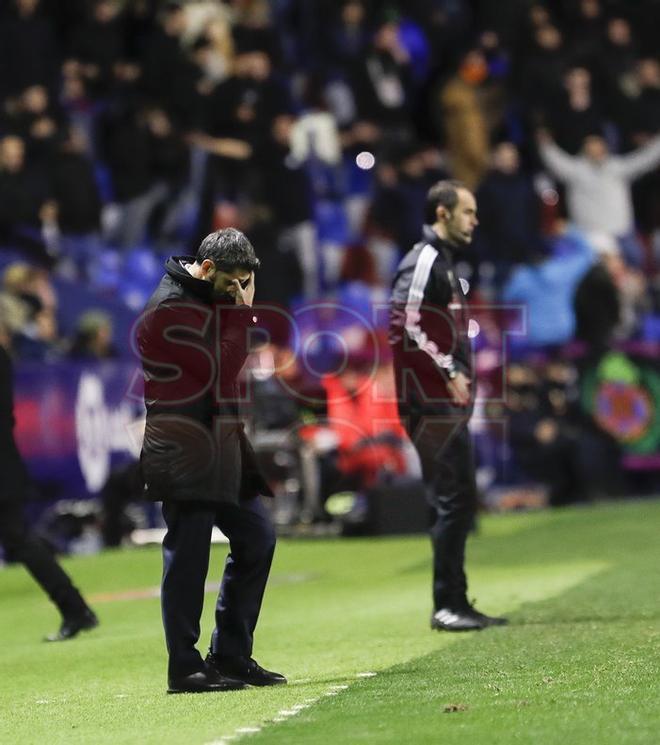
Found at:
<point>124,485</point>
<point>444,446</point>
<point>186,550</point>
<point>23,546</point>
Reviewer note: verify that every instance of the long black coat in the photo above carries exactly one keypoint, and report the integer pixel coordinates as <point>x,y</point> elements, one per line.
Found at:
<point>193,348</point>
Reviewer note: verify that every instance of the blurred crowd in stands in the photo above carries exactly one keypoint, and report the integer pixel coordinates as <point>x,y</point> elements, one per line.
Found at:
<point>130,129</point>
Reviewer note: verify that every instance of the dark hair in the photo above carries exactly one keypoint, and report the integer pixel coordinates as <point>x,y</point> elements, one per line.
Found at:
<point>228,249</point>
<point>442,194</point>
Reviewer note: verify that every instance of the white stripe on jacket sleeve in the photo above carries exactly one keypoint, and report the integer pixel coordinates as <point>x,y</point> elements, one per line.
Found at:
<point>418,284</point>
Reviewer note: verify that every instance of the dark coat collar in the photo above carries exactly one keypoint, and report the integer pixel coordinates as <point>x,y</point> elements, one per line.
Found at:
<point>200,288</point>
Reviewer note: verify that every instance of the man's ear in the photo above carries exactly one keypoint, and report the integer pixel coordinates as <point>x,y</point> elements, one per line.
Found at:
<point>207,267</point>
<point>441,213</point>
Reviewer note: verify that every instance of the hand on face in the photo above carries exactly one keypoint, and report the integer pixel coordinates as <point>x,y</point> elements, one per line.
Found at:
<point>243,295</point>
<point>237,284</point>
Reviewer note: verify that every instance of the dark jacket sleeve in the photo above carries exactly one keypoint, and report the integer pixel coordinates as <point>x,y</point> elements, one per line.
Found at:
<point>429,324</point>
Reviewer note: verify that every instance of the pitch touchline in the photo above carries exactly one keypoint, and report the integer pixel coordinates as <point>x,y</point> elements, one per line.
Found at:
<point>284,714</point>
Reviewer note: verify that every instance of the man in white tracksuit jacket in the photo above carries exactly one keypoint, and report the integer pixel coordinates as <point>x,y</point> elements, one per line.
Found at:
<point>598,183</point>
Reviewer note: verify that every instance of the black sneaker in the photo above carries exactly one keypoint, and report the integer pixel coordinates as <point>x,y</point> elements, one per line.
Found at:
<point>245,669</point>
<point>453,619</point>
<point>73,625</point>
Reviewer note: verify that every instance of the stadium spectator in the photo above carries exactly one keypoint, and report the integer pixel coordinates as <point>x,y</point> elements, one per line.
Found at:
<point>93,337</point>
<point>598,185</point>
<point>240,116</point>
<point>74,188</point>
<point>507,189</point>
<point>26,204</point>
<point>190,89</point>
<point>347,39</point>
<point>640,120</point>
<point>37,340</point>
<point>287,191</point>
<point>464,121</point>
<point>597,302</point>
<point>149,164</point>
<point>616,62</point>
<point>382,82</point>
<point>546,289</point>
<point>32,117</point>
<point>644,120</point>
<point>98,44</point>
<point>586,22</point>
<point>538,74</point>
<point>554,443</point>
<point>163,55</point>
<point>253,28</point>
<point>169,164</point>
<point>575,113</point>
<point>24,28</point>
<point>220,59</point>
<point>30,296</point>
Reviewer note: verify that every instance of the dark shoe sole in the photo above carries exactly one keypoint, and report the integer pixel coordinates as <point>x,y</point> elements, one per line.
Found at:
<point>178,691</point>
<point>238,686</point>
<point>269,683</point>
<point>439,627</point>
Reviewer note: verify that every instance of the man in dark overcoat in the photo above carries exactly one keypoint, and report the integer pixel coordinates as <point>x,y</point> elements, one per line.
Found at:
<point>193,340</point>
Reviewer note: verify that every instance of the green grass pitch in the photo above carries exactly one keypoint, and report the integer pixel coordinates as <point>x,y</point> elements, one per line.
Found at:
<point>579,664</point>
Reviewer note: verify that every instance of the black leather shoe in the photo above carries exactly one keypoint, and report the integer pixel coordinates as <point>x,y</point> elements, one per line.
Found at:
<point>245,669</point>
<point>487,620</point>
<point>204,681</point>
<point>450,619</point>
<point>72,625</point>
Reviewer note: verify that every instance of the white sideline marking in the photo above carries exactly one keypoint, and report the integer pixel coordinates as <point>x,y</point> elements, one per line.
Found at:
<point>284,714</point>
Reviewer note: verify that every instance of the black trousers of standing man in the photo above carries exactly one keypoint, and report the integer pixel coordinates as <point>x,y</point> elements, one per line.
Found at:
<point>186,552</point>
<point>444,445</point>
